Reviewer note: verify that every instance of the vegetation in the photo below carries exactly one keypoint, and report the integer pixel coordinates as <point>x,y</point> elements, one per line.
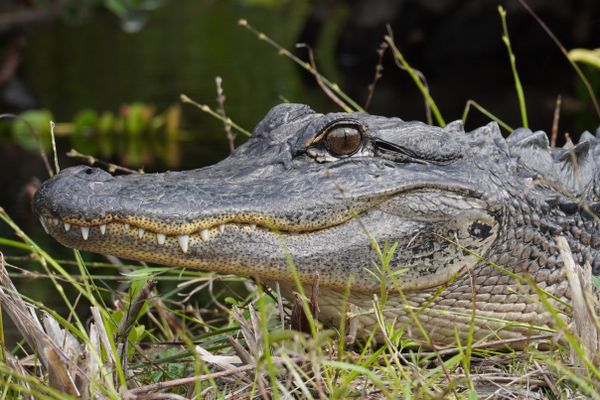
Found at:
<point>140,342</point>
<point>136,134</point>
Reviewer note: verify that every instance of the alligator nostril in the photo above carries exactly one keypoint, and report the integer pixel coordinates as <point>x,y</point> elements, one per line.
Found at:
<point>93,174</point>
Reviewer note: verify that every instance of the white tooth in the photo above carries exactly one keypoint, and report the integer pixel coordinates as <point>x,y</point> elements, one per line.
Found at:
<point>183,242</point>
<point>160,238</point>
<point>67,227</point>
<point>252,227</point>
<point>103,229</point>
<point>43,224</point>
<point>140,232</point>
<point>126,226</point>
<point>221,228</point>
<point>204,234</point>
<point>85,231</point>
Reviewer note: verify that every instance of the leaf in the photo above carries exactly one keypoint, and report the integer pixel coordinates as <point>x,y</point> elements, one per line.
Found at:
<point>39,120</point>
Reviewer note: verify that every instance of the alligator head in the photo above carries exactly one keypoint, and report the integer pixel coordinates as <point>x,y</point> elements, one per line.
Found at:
<point>323,190</point>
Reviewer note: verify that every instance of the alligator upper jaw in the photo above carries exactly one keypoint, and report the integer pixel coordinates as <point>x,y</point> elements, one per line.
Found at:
<point>183,203</point>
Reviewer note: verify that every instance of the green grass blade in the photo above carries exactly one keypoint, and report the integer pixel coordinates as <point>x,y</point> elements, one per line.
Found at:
<point>513,67</point>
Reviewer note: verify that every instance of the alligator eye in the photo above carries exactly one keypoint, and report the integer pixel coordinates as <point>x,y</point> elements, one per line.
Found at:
<point>343,140</point>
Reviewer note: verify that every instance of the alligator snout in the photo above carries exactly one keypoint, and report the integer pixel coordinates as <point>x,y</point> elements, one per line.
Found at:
<point>72,194</point>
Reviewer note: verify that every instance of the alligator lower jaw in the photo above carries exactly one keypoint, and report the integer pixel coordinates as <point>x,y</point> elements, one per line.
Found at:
<point>231,248</point>
<point>79,235</point>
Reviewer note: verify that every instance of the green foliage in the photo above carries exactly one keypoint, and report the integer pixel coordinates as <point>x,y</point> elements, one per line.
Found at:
<point>134,133</point>
<point>590,57</point>
<point>36,120</point>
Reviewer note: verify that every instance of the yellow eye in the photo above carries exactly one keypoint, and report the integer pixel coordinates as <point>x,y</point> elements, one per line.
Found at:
<point>343,140</point>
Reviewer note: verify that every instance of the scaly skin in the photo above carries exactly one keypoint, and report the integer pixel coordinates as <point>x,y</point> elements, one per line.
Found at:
<point>458,204</point>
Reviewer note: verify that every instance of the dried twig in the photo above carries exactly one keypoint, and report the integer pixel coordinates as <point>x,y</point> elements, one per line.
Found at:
<point>319,78</point>
<point>352,105</point>
<point>221,110</point>
<point>109,166</point>
<point>203,107</point>
<point>555,120</point>
<point>133,393</point>
<point>378,73</point>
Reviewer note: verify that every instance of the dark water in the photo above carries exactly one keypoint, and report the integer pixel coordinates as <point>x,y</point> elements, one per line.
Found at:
<point>183,47</point>
<point>187,43</point>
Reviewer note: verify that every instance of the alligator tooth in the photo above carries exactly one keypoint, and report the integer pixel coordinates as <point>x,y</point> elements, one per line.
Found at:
<point>183,242</point>
<point>141,232</point>
<point>67,227</point>
<point>221,228</point>
<point>204,234</point>
<point>252,227</point>
<point>160,238</point>
<point>43,224</point>
<point>103,229</point>
<point>85,232</point>
<point>126,226</point>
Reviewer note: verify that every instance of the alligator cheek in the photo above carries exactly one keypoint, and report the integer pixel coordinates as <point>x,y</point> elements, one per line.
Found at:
<point>453,235</point>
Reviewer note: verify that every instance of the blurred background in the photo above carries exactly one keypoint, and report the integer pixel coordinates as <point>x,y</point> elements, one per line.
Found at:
<point>110,72</point>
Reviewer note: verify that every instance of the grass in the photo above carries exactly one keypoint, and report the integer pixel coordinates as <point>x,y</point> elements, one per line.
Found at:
<point>141,342</point>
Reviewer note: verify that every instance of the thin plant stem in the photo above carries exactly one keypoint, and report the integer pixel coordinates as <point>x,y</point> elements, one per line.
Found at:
<point>513,66</point>
<point>417,78</point>
<point>481,109</point>
<point>207,109</point>
<point>562,48</point>
<point>351,104</point>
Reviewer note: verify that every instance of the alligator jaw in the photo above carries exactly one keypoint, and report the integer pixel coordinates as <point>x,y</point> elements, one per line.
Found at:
<point>260,251</point>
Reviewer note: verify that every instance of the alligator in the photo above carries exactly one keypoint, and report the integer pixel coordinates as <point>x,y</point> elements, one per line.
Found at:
<point>474,218</point>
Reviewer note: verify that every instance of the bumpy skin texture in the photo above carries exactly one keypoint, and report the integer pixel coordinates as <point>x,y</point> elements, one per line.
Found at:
<point>475,217</point>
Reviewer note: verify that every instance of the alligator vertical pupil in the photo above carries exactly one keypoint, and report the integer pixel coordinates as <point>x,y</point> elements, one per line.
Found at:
<point>343,140</point>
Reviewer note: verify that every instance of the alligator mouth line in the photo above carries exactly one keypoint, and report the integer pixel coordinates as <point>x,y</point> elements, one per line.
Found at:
<point>58,226</point>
